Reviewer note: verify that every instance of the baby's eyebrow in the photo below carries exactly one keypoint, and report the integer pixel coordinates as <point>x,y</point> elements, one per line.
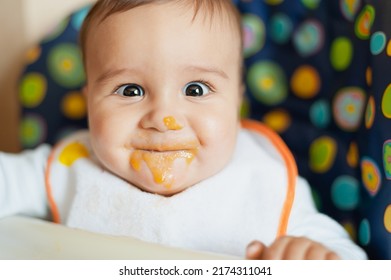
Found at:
<point>191,68</point>
<point>207,69</point>
<point>114,72</point>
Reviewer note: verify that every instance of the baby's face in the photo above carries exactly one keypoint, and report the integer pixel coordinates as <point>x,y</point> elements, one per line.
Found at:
<point>163,95</point>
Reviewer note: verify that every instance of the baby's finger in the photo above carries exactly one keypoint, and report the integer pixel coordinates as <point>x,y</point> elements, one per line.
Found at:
<point>255,250</point>
<point>277,250</point>
<point>317,251</point>
<point>298,248</point>
<point>332,256</point>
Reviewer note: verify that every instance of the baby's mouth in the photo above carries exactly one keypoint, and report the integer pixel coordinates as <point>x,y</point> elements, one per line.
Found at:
<point>168,147</point>
<point>160,160</point>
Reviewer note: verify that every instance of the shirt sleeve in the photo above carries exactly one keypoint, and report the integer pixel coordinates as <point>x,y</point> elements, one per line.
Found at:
<point>22,183</point>
<point>306,221</point>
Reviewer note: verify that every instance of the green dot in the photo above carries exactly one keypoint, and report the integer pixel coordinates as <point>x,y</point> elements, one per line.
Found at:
<point>386,102</point>
<point>32,131</point>
<point>311,4</point>
<point>341,53</point>
<point>65,65</point>
<point>267,82</point>
<point>32,89</point>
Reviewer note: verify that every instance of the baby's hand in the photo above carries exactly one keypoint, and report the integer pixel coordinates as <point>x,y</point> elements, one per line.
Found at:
<point>290,248</point>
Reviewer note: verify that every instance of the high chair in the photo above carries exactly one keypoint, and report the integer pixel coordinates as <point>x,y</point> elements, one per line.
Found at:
<point>316,73</point>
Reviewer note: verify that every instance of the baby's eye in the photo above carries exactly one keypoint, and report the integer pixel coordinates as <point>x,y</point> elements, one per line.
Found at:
<point>196,89</point>
<point>130,90</point>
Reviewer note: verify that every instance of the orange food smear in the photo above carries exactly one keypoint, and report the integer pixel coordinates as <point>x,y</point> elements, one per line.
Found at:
<point>161,163</point>
<point>171,123</point>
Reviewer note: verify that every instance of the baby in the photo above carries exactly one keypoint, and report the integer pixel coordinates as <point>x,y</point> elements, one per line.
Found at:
<point>166,158</point>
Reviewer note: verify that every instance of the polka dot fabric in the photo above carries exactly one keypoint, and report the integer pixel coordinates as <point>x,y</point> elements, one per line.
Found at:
<point>316,72</point>
<point>374,229</point>
<point>50,86</point>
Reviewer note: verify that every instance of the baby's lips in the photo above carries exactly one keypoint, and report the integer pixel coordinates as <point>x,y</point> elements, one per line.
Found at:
<point>161,164</point>
<point>168,146</point>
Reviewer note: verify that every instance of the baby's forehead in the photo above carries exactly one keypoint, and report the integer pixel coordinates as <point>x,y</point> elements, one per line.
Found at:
<point>216,13</point>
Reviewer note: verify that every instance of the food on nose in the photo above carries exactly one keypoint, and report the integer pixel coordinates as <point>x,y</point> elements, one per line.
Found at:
<point>171,123</point>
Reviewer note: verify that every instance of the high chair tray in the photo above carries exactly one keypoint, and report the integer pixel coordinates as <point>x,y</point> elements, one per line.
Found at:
<point>28,238</point>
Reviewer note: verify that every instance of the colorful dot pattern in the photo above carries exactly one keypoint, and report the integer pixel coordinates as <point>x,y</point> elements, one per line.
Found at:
<point>50,85</point>
<point>316,72</point>
<point>320,80</point>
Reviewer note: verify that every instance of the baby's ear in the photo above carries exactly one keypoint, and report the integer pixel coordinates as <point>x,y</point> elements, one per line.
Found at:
<point>84,91</point>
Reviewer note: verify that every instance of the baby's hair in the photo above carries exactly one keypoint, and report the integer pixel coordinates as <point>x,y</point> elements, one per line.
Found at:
<point>105,8</point>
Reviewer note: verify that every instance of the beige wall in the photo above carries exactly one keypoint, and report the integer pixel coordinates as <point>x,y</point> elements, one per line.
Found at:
<point>22,24</point>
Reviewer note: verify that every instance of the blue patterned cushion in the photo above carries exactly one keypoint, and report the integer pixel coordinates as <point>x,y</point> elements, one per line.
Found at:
<point>50,86</point>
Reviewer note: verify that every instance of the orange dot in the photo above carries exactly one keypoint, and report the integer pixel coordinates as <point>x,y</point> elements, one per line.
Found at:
<point>387,218</point>
<point>353,156</point>
<point>351,229</point>
<point>368,76</point>
<point>33,54</point>
<point>277,120</point>
<point>305,82</point>
<point>389,48</point>
<point>74,106</point>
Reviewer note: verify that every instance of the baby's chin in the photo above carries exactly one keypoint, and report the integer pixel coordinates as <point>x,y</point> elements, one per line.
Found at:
<point>165,181</point>
<point>149,185</point>
<point>164,191</point>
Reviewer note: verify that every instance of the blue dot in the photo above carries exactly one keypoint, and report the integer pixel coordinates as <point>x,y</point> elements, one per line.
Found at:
<point>364,232</point>
<point>320,113</point>
<point>78,17</point>
<point>378,42</point>
<point>345,192</point>
<point>280,28</point>
<point>308,38</point>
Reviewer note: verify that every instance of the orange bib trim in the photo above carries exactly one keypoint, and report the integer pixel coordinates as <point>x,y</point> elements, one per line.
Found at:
<point>291,168</point>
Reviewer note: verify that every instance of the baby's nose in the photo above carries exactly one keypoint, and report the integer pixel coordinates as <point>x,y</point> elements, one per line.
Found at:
<point>155,120</point>
<point>163,113</point>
